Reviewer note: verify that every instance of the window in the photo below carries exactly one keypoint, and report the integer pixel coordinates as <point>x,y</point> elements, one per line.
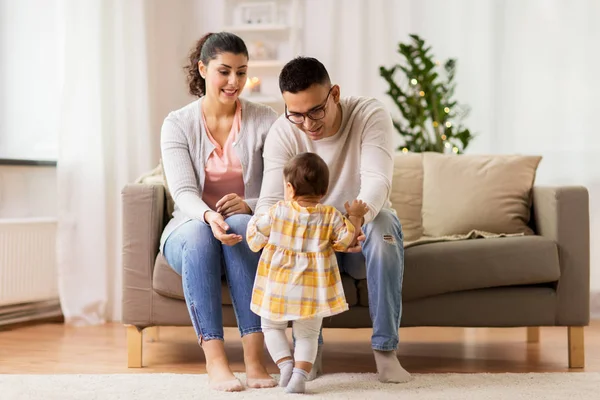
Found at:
<point>30,78</point>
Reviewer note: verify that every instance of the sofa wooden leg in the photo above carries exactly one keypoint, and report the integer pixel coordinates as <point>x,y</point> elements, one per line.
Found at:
<point>533,334</point>
<point>151,333</point>
<point>134,347</point>
<point>576,347</point>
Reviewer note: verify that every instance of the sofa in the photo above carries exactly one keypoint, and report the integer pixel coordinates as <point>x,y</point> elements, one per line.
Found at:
<point>535,278</point>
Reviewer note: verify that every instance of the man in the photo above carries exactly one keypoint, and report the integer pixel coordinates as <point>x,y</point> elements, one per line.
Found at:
<point>354,136</point>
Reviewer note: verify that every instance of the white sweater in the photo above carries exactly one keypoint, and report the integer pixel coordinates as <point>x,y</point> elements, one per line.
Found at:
<point>359,156</point>
<point>185,148</point>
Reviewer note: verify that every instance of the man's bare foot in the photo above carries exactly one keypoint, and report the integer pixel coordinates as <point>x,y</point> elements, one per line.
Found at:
<point>257,376</point>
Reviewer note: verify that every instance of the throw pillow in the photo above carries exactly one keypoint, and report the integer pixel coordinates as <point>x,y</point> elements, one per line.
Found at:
<point>407,193</point>
<point>490,193</point>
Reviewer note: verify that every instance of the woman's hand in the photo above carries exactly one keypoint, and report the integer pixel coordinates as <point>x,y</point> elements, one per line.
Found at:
<point>232,204</point>
<point>356,245</point>
<point>219,229</point>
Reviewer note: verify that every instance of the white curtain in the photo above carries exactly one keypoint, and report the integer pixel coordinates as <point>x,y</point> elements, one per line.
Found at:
<point>122,73</point>
<point>528,69</point>
<point>104,142</point>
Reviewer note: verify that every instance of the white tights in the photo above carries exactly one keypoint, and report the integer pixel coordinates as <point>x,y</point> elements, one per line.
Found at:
<point>306,332</point>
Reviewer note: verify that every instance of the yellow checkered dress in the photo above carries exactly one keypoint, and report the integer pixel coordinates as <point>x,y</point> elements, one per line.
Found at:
<point>298,275</point>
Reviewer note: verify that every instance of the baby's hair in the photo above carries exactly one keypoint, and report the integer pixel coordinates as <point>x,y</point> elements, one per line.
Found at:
<point>308,174</point>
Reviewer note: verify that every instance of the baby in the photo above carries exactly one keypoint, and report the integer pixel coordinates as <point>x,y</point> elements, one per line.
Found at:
<point>298,277</point>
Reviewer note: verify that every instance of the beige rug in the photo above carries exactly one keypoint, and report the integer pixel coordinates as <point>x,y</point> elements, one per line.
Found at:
<point>569,385</point>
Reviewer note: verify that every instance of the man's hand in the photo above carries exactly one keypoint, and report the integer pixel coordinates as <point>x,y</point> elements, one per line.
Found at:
<point>219,228</point>
<point>232,204</point>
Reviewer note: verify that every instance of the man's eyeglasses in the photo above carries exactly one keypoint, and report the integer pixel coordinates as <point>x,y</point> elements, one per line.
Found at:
<point>315,114</point>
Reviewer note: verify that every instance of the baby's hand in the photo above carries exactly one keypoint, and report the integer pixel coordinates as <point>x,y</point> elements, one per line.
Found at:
<point>358,208</point>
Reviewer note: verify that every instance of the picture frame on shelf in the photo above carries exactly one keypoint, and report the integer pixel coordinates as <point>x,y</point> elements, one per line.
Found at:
<point>258,13</point>
<point>259,50</point>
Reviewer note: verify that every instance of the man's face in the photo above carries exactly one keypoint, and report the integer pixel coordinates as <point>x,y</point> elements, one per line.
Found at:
<point>314,110</point>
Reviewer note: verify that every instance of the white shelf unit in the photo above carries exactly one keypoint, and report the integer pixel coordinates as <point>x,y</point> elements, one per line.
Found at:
<point>257,28</point>
<point>266,64</point>
<point>272,30</point>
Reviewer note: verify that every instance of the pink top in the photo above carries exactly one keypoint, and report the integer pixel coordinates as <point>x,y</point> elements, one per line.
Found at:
<point>223,168</point>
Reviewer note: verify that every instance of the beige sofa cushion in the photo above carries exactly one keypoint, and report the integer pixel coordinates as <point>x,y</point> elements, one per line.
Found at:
<point>490,193</point>
<point>407,193</point>
<point>445,267</point>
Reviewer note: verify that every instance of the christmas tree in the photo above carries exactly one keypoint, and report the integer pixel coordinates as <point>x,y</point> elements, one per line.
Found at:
<point>431,118</point>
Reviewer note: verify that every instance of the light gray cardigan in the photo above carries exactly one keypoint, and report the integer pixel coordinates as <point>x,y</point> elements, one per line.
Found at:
<point>185,148</point>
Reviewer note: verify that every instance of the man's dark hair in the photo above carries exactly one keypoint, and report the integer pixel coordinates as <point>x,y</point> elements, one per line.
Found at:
<point>301,73</point>
<point>308,174</point>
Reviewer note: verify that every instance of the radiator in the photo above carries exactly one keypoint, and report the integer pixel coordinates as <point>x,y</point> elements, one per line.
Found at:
<point>27,262</point>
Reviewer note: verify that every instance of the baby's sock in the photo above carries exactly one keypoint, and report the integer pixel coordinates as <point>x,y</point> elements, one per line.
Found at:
<point>298,382</point>
<point>285,368</point>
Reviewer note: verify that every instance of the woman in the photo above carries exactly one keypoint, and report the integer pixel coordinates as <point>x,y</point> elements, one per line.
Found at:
<point>212,156</point>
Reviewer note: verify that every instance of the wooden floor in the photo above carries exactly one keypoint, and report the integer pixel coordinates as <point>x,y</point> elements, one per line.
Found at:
<point>56,348</point>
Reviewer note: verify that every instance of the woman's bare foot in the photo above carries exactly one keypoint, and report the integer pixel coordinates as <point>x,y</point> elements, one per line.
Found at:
<point>258,377</point>
<point>219,374</point>
<point>256,373</point>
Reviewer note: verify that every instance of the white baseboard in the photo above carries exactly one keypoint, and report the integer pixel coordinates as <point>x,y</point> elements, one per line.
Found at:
<point>595,305</point>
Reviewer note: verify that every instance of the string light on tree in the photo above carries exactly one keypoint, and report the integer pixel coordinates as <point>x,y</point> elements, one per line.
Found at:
<point>424,91</point>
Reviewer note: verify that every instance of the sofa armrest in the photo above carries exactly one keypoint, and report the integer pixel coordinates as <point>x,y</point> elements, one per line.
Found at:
<point>143,222</point>
<point>562,214</point>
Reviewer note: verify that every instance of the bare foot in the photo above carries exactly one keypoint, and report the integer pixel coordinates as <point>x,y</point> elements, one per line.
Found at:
<point>221,378</point>
<point>256,374</point>
<point>258,377</point>
<point>389,369</point>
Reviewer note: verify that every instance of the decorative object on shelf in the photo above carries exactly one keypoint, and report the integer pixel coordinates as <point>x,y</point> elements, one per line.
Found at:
<point>258,13</point>
<point>260,50</point>
<point>253,85</point>
<point>432,120</point>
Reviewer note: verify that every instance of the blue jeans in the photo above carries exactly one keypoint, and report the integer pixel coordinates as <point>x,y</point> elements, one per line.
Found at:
<point>381,262</point>
<point>195,254</point>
